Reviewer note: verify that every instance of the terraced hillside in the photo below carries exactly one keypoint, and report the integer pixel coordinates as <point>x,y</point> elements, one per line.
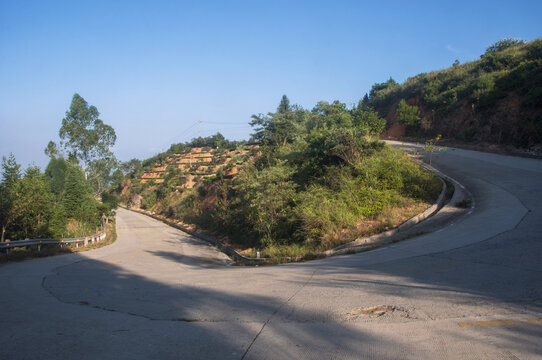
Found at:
<point>197,164</point>
<point>185,170</point>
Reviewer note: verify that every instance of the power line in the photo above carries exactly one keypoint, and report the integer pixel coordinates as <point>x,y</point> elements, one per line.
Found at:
<point>225,123</point>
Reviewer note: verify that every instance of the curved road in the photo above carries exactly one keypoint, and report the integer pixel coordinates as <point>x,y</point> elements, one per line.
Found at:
<point>470,290</point>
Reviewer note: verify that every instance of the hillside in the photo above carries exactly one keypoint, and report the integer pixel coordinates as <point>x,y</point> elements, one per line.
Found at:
<point>495,100</point>
<point>317,178</point>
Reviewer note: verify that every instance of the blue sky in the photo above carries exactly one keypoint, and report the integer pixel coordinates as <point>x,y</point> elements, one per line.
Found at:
<point>154,68</point>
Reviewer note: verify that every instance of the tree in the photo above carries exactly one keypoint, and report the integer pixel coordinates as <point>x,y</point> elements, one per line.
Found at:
<point>329,115</point>
<point>379,88</point>
<point>366,116</point>
<point>11,176</point>
<point>99,174</point>
<point>34,203</point>
<point>267,195</point>
<point>430,147</point>
<point>55,173</point>
<point>52,150</point>
<point>77,201</point>
<point>83,135</point>
<point>284,105</point>
<point>132,166</point>
<point>408,115</point>
<point>278,128</point>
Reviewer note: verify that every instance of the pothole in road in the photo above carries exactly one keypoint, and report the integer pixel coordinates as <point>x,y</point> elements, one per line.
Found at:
<point>377,311</point>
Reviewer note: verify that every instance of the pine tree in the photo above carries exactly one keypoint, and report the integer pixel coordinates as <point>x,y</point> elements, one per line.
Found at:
<point>284,105</point>
<point>77,201</point>
<point>11,176</point>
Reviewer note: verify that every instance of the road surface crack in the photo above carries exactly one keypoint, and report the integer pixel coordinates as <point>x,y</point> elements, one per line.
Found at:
<point>275,312</point>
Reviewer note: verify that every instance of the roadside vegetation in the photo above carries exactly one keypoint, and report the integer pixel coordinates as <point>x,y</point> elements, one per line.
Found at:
<point>317,179</point>
<point>29,252</point>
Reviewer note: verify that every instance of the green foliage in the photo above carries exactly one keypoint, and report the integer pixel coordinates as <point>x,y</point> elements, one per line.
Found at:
<point>86,139</point>
<point>278,128</point>
<point>58,221</point>
<point>55,173</point>
<point>34,201</point>
<point>149,200</point>
<point>431,146</point>
<point>110,202</point>
<point>495,99</point>
<point>329,116</point>
<point>317,176</point>
<point>60,202</point>
<point>504,44</point>
<point>99,174</point>
<point>408,115</point>
<point>9,192</point>
<point>78,201</point>
<point>284,105</point>
<point>52,150</point>
<point>213,141</point>
<point>83,134</point>
<point>366,117</point>
<point>379,89</point>
<point>42,205</point>
<point>268,198</point>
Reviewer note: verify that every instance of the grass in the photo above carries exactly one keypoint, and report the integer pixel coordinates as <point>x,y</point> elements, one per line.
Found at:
<point>390,218</point>
<point>31,252</point>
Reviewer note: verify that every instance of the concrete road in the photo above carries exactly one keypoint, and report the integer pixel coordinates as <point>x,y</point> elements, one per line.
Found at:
<point>472,290</point>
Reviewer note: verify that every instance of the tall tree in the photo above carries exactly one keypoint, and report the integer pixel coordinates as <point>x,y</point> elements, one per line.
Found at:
<point>83,135</point>
<point>11,176</point>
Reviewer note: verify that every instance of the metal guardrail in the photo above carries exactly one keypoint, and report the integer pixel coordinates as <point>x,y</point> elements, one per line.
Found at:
<point>7,245</point>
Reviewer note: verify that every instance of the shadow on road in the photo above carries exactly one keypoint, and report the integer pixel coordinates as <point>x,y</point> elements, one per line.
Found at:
<point>191,321</point>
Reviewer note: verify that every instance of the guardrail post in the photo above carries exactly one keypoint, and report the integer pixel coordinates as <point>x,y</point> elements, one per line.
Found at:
<point>39,247</point>
<point>85,242</point>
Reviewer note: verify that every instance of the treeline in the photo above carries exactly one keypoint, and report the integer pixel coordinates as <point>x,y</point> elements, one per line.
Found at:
<point>319,178</point>
<point>55,204</point>
<point>63,201</point>
<point>496,99</point>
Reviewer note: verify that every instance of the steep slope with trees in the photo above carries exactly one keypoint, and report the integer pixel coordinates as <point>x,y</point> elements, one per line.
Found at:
<point>496,99</point>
